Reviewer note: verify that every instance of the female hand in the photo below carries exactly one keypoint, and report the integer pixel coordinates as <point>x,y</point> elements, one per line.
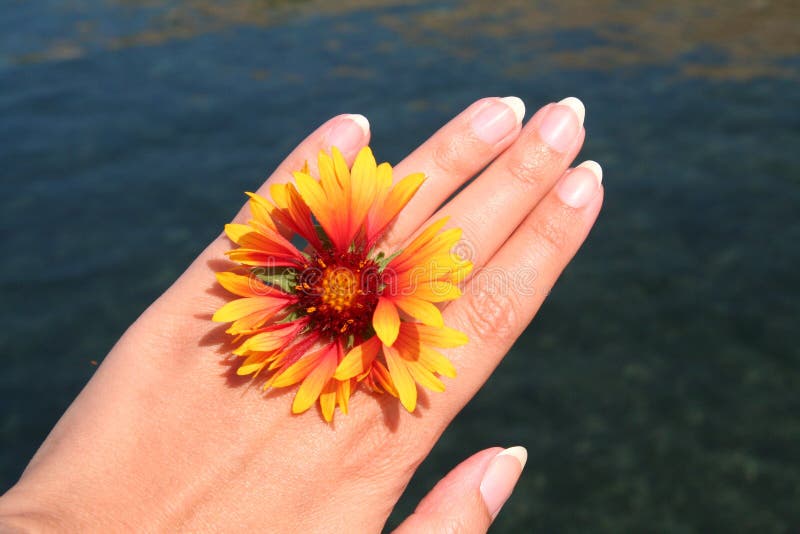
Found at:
<point>161,438</point>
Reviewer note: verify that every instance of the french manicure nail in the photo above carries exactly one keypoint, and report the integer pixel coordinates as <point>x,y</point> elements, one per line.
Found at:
<point>581,185</point>
<point>562,123</point>
<point>349,132</point>
<point>498,119</point>
<point>501,476</point>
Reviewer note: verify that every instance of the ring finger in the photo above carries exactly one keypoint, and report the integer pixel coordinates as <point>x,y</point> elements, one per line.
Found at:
<point>494,204</point>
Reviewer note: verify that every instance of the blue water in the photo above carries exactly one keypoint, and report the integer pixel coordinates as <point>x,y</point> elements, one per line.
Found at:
<point>658,388</point>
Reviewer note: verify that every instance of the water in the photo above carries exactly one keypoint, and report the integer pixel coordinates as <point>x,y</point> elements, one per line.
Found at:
<point>657,389</point>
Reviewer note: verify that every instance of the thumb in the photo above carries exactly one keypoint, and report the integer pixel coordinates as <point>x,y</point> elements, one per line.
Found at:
<point>471,495</point>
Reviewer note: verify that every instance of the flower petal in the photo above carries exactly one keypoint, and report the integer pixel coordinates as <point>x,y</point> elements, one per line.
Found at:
<point>436,291</point>
<point>424,377</point>
<point>250,323</point>
<point>418,242</point>
<point>409,345</point>
<point>421,310</point>
<point>254,363</point>
<point>436,362</point>
<point>358,360</point>
<point>386,321</point>
<point>300,369</point>
<point>322,206</point>
<point>315,382</point>
<point>262,239</point>
<point>260,258</point>
<point>272,338</point>
<point>248,286</point>
<point>397,199</point>
<point>343,390</point>
<point>327,399</point>
<point>363,191</point>
<point>380,374</point>
<point>236,309</point>
<point>293,213</point>
<point>402,379</point>
<point>444,337</point>
<point>236,231</point>
<point>262,210</point>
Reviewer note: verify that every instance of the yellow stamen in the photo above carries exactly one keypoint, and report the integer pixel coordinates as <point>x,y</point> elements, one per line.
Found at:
<point>339,288</point>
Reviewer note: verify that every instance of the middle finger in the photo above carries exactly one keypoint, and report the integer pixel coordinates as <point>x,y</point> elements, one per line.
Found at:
<point>491,207</point>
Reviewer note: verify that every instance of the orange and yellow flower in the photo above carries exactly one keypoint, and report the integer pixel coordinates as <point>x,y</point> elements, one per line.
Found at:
<point>339,311</point>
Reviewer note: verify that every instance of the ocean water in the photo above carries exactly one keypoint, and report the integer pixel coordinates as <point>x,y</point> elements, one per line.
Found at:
<point>659,387</point>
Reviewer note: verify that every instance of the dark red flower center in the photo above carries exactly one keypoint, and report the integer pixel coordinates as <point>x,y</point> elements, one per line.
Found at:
<point>339,293</point>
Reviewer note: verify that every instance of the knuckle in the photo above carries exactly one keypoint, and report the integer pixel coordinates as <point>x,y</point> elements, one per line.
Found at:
<point>452,156</point>
<point>530,165</point>
<point>550,234</point>
<point>491,310</point>
<point>400,458</point>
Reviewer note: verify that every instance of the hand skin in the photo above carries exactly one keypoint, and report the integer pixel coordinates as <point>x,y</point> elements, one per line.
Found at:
<point>166,437</point>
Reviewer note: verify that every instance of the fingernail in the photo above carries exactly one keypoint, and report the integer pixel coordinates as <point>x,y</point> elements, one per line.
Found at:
<point>581,185</point>
<point>501,476</point>
<point>498,119</point>
<point>349,133</point>
<point>562,124</point>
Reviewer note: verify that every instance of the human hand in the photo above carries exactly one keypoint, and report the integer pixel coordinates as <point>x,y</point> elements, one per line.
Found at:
<point>159,440</point>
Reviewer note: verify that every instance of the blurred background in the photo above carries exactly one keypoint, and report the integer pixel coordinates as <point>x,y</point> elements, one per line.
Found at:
<point>659,388</point>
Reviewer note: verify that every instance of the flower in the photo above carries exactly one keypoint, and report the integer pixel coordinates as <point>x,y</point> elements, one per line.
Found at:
<point>339,312</point>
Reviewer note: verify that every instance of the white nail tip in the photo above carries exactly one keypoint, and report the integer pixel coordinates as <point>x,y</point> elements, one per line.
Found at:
<point>516,105</point>
<point>576,105</point>
<point>595,167</point>
<point>362,122</point>
<point>520,453</point>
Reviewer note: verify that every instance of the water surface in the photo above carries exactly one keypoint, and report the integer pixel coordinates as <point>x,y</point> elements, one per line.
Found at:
<point>657,389</point>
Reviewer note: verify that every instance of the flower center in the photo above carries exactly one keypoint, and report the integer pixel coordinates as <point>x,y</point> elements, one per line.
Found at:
<point>339,288</point>
<point>339,293</point>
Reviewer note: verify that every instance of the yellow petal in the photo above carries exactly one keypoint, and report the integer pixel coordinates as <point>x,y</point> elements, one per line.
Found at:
<point>461,272</point>
<point>254,363</point>
<point>313,384</point>
<point>411,348</point>
<point>342,170</point>
<point>236,309</point>
<point>262,210</point>
<point>363,191</point>
<point>436,291</point>
<point>381,374</point>
<point>273,339</point>
<point>421,310</point>
<point>386,321</point>
<point>437,248</point>
<point>327,171</point>
<point>401,377</point>
<point>343,389</point>
<point>358,360</point>
<point>424,377</point>
<point>397,199</point>
<point>383,185</point>
<point>299,369</point>
<point>260,258</point>
<point>324,207</point>
<point>444,337</point>
<point>383,177</point>
<point>236,231</point>
<point>436,361</point>
<point>245,285</point>
<point>251,322</point>
<point>327,400</point>
<point>407,255</point>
